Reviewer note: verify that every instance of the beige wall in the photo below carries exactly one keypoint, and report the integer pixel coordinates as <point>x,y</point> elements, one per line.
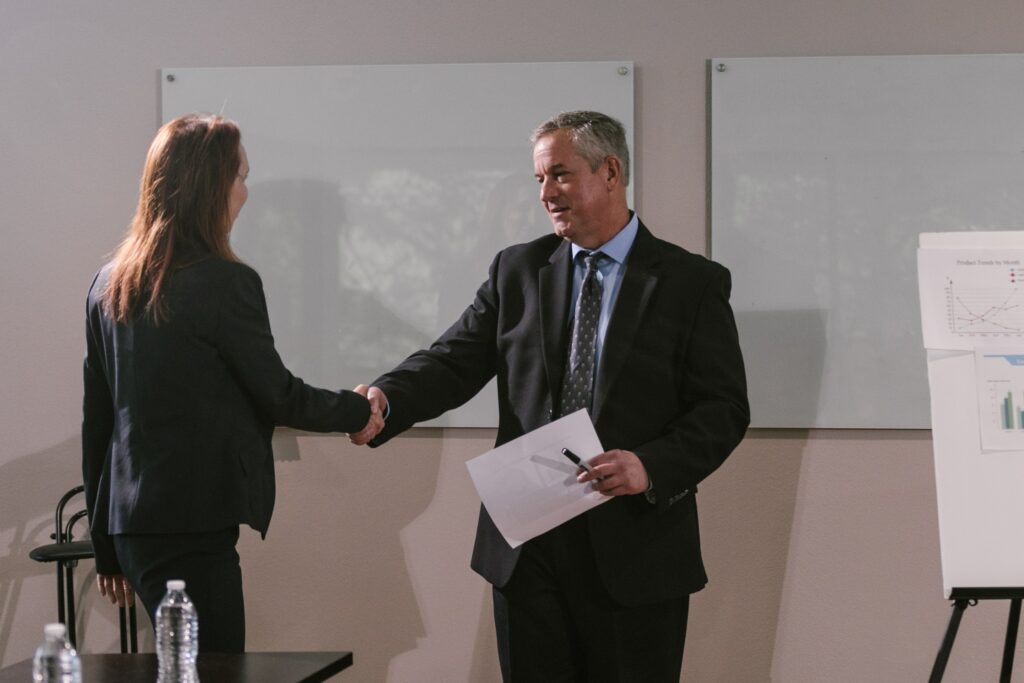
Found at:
<point>822,546</point>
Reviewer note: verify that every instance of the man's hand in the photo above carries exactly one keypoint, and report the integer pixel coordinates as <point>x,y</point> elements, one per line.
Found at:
<point>116,588</point>
<point>378,405</point>
<point>616,473</point>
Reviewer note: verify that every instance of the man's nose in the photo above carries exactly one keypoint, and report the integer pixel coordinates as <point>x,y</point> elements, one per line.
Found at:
<point>547,190</point>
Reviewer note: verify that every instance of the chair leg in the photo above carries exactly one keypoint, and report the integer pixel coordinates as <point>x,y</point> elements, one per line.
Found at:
<point>69,577</point>
<point>133,633</point>
<point>123,624</point>
<point>61,616</point>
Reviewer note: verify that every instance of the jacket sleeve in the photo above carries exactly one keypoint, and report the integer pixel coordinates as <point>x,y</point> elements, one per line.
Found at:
<point>714,412</point>
<point>452,371</point>
<point>97,429</point>
<point>243,337</point>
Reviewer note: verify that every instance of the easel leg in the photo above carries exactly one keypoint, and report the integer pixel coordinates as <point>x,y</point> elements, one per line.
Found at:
<point>941,659</point>
<point>1011,640</point>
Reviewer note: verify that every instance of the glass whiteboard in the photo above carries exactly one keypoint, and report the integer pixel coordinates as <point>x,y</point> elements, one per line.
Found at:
<point>824,170</point>
<point>378,195</point>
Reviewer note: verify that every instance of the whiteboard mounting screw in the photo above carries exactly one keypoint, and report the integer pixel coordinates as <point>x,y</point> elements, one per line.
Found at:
<point>170,78</point>
<point>623,70</point>
<point>720,68</point>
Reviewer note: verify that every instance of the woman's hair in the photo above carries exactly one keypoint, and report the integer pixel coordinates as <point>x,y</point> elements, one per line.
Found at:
<point>183,204</point>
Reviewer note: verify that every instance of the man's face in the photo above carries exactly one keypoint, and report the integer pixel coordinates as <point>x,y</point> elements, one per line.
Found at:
<point>577,199</point>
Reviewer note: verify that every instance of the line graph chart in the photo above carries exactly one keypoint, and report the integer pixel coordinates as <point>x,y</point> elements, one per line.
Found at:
<point>971,297</point>
<point>984,308</point>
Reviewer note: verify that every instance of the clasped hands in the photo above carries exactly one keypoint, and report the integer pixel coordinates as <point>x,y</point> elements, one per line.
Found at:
<point>378,406</point>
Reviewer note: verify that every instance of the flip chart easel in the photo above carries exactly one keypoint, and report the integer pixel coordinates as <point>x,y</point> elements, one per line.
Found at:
<point>972,310</point>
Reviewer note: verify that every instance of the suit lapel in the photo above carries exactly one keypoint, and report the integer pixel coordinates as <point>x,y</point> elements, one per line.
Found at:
<point>638,283</point>
<point>553,293</point>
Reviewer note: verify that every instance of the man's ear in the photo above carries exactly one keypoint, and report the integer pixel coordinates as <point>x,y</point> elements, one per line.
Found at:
<point>613,171</point>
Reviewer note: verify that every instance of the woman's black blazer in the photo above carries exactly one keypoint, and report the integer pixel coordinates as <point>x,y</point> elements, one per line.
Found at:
<point>178,417</point>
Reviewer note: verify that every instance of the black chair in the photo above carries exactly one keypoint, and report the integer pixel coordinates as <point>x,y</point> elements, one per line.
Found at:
<point>66,552</point>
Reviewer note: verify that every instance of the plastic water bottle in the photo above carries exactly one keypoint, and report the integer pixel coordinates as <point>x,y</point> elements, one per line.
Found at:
<point>177,636</point>
<point>56,661</point>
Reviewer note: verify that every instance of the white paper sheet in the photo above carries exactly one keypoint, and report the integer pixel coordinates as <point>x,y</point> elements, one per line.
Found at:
<point>999,380</point>
<point>979,493</point>
<point>972,309</point>
<point>529,487</point>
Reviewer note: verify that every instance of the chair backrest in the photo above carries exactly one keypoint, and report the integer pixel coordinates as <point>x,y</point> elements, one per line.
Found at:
<point>64,548</point>
<point>65,551</point>
<point>62,533</point>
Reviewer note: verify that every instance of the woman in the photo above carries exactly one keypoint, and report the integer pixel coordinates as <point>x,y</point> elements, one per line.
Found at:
<point>183,388</point>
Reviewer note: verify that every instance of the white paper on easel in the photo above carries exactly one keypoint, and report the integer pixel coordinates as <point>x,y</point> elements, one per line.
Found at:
<point>979,493</point>
<point>529,487</point>
<point>972,315</point>
<point>999,384</point>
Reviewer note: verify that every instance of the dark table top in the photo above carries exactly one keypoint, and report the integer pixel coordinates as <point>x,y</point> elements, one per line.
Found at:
<point>250,667</point>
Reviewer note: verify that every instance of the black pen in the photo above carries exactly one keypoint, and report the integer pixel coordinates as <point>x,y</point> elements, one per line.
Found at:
<point>576,460</point>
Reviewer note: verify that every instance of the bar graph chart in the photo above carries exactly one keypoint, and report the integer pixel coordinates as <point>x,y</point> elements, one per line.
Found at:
<point>1001,398</point>
<point>1011,417</point>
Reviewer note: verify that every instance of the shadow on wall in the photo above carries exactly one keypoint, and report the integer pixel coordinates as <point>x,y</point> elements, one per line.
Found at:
<point>30,487</point>
<point>362,271</point>
<point>347,299</point>
<point>748,507</point>
<point>454,603</point>
<point>485,666</point>
<point>747,515</point>
<point>333,558</point>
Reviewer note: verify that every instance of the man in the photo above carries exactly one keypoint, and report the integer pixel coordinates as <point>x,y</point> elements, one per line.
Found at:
<point>642,336</point>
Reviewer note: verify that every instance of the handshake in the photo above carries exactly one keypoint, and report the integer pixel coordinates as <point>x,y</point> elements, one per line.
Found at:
<point>378,407</point>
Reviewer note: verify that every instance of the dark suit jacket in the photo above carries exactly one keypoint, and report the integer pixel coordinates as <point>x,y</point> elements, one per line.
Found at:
<point>178,418</point>
<point>670,388</point>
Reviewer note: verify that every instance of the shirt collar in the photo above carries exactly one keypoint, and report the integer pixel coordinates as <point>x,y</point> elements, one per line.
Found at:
<point>617,248</point>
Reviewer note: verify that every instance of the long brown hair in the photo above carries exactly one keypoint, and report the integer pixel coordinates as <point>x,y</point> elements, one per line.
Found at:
<point>183,203</point>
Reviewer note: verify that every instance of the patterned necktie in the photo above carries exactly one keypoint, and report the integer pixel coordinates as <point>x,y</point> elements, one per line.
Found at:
<point>578,383</point>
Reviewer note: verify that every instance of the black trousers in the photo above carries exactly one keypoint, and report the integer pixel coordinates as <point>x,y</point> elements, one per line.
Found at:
<point>556,623</point>
<point>207,563</point>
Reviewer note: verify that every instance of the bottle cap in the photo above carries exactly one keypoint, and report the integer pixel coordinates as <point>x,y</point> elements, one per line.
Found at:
<point>55,630</point>
<point>175,585</point>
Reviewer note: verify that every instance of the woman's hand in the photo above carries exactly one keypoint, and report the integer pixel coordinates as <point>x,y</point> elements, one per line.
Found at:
<point>116,588</point>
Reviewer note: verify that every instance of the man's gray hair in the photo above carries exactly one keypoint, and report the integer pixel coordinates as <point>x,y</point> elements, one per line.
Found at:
<point>594,135</point>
